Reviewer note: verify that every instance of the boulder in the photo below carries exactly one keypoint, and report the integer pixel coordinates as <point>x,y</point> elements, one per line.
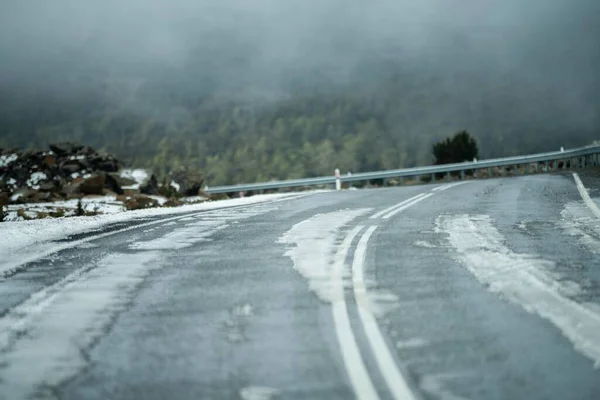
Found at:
<point>189,182</point>
<point>66,148</point>
<point>139,202</point>
<point>49,161</point>
<point>71,166</point>
<point>122,181</point>
<point>92,185</point>
<point>150,186</point>
<point>4,199</point>
<point>25,195</point>
<point>111,184</point>
<point>108,166</point>
<point>173,202</point>
<point>46,186</point>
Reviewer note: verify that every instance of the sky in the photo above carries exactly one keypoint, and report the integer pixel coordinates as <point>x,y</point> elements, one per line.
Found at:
<point>263,45</point>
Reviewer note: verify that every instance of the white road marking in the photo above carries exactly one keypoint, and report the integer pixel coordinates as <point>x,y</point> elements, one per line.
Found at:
<point>355,367</point>
<point>586,196</point>
<point>404,207</point>
<point>523,279</point>
<point>443,187</point>
<point>451,185</point>
<point>385,361</point>
<point>382,212</point>
<point>577,222</point>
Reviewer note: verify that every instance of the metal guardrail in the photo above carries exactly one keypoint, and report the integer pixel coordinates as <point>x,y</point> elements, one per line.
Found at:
<point>583,156</point>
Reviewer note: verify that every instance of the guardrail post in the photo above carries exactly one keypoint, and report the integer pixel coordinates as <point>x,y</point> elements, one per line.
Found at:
<point>448,176</point>
<point>338,182</point>
<point>432,178</point>
<point>462,175</point>
<point>490,172</point>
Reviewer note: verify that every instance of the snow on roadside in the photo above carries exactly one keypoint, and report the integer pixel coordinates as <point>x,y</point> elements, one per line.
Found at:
<point>98,204</point>
<point>26,240</point>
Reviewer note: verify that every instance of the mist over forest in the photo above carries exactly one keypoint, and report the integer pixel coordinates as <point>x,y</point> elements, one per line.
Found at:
<point>251,90</point>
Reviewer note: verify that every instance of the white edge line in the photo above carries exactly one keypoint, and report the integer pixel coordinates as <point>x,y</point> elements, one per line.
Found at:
<point>442,187</point>
<point>380,213</point>
<point>355,367</point>
<point>404,207</point>
<point>453,185</point>
<point>586,196</point>
<point>397,384</point>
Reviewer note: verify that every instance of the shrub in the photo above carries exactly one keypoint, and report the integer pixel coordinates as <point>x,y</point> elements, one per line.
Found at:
<point>459,148</point>
<point>79,211</point>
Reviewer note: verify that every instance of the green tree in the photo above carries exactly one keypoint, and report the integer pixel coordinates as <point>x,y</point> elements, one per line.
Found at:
<point>458,148</point>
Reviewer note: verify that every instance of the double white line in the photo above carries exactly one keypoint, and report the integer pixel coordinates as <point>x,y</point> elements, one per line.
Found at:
<point>353,360</point>
<point>355,366</point>
<point>395,209</point>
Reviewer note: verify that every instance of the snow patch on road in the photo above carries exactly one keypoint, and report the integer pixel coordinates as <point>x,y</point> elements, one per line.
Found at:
<point>44,340</point>
<point>412,343</point>
<point>259,393</point>
<point>435,384</point>
<point>311,245</point>
<point>26,241</point>
<point>181,238</point>
<point>579,222</point>
<point>523,279</point>
<point>425,244</point>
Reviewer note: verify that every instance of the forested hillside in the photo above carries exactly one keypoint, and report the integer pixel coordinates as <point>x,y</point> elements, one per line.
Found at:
<point>355,95</point>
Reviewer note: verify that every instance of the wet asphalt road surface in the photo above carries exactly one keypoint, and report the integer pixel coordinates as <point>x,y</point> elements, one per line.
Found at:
<point>485,290</point>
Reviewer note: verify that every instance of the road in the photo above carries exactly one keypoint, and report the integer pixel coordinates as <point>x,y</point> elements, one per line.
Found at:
<point>488,289</point>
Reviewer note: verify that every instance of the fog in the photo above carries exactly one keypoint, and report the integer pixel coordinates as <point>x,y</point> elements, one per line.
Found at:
<point>267,47</point>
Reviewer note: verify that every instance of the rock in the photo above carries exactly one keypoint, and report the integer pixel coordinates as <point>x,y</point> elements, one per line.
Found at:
<point>25,195</point>
<point>173,202</point>
<point>8,151</point>
<point>46,186</point>
<point>4,199</point>
<point>139,202</point>
<point>35,175</point>
<point>49,161</point>
<point>71,166</point>
<point>111,183</point>
<point>150,186</point>
<point>108,166</point>
<point>121,181</point>
<point>92,185</point>
<point>20,175</point>
<point>86,150</point>
<point>65,148</point>
<point>190,182</point>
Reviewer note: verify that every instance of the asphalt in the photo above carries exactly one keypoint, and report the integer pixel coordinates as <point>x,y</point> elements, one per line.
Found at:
<point>228,315</point>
